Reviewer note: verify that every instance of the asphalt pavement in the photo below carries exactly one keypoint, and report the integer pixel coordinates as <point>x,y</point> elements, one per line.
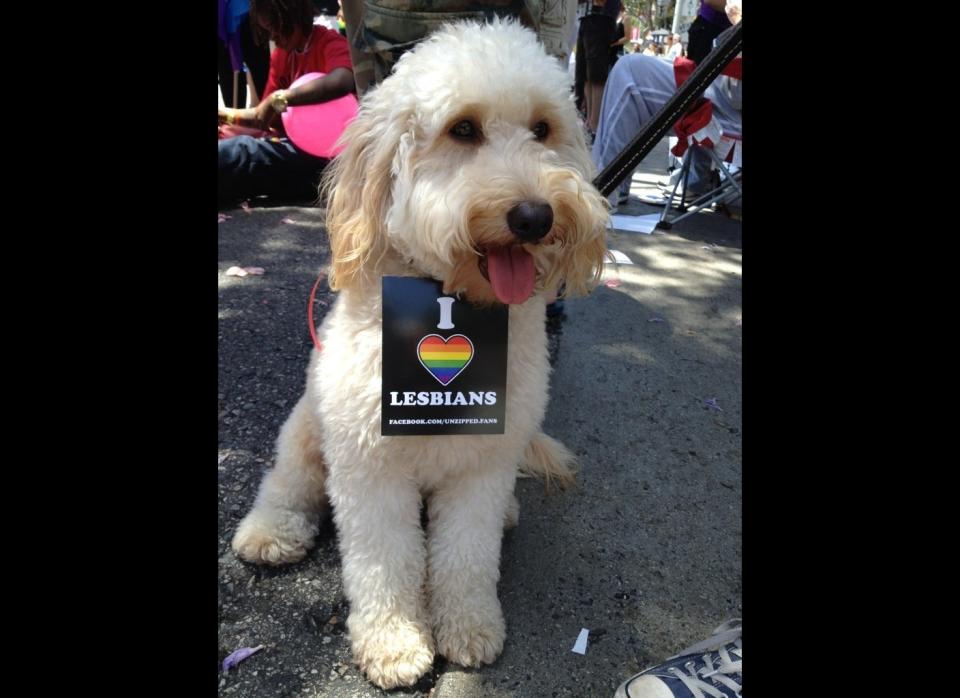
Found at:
<point>645,552</point>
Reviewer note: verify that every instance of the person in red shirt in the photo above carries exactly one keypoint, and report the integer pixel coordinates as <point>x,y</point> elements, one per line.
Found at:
<point>251,166</point>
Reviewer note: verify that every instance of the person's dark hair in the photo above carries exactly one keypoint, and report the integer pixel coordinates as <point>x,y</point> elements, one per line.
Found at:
<point>283,16</point>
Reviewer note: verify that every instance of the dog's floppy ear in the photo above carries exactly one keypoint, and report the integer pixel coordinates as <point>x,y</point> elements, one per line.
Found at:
<point>586,216</point>
<point>358,187</point>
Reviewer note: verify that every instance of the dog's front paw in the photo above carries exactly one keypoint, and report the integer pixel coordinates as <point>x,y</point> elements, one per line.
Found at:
<point>471,637</point>
<point>273,540</point>
<point>394,654</point>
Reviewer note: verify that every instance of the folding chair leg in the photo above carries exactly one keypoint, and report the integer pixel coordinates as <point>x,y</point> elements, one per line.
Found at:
<point>719,194</point>
<point>682,208</point>
<point>724,172</point>
<point>684,174</point>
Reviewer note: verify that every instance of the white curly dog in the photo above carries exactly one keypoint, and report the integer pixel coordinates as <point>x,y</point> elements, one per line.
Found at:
<point>467,165</point>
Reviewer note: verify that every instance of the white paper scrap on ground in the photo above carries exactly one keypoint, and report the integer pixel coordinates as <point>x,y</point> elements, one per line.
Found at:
<point>580,646</point>
<point>635,224</point>
<point>619,257</point>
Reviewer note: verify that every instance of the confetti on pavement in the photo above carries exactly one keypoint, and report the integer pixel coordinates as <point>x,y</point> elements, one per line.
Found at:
<point>712,402</point>
<point>618,258</point>
<point>245,271</point>
<point>235,658</point>
<point>580,646</point>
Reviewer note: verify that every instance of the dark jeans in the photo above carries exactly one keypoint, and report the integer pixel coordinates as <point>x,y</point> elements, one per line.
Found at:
<point>251,167</point>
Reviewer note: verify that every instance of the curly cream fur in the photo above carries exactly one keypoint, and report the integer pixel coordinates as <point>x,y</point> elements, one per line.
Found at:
<point>405,198</point>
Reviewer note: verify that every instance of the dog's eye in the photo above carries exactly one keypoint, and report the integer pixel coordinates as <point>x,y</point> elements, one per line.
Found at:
<point>465,130</point>
<point>541,130</point>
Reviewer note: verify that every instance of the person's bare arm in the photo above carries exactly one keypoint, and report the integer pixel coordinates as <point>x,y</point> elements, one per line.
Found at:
<point>261,116</point>
<point>334,84</point>
<point>246,117</point>
<point>627,29</point>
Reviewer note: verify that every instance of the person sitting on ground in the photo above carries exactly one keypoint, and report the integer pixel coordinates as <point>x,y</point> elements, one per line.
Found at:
<point>271,164</point>
<point>637,89</point>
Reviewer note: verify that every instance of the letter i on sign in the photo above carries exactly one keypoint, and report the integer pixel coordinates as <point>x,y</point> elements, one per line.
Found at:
<point>446,314</point>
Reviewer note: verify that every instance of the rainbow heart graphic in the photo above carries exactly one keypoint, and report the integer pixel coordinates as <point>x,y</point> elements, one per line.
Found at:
<point>445,358</point>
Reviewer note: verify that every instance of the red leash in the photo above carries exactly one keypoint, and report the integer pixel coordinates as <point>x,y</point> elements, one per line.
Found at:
<point>313,326</point>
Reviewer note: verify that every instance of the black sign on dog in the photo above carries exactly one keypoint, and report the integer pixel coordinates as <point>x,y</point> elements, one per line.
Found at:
<point>444,362</point>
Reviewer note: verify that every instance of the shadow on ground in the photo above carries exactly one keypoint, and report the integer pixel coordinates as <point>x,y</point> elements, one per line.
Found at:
<point>645,552</point>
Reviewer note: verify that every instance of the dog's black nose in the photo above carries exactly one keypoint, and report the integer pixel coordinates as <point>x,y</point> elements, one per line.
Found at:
<point>530,220</point>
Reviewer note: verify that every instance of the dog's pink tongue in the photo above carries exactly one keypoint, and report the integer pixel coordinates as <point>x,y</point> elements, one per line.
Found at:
<point>512,273</point>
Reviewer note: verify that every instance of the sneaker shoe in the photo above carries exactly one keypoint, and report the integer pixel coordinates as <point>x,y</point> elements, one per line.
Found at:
<point>654,199</point>
<point>691,194</point>
<point>712,668</point>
